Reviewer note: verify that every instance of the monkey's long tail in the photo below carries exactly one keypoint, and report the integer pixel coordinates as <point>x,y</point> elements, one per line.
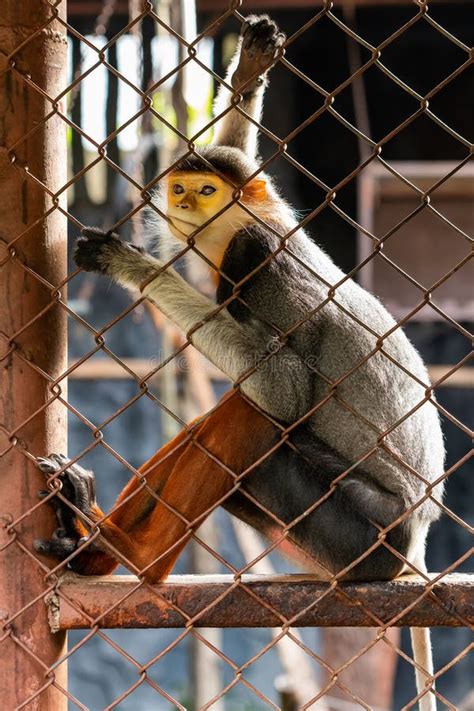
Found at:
<point>422,654</point>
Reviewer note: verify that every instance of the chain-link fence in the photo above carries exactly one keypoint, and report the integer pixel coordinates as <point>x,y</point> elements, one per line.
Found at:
<point>135,101</point>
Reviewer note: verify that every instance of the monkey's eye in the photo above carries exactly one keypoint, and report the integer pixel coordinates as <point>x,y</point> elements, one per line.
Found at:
<point>207,190</point>
<point>178,189</point>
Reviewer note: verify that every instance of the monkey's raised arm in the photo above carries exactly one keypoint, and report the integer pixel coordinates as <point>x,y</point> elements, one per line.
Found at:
<point>247,73</point>
<point>233,347</point>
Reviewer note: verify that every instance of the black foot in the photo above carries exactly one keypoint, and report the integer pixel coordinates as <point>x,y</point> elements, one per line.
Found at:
<point>261,43</point>
<point>77,487</point>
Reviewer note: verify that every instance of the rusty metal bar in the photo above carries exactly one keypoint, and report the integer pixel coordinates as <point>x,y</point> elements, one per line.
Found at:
<point>33,343</point>
<point>452,597</point>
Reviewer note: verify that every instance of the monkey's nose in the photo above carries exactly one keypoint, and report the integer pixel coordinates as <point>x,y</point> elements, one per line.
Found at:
<point>183,206</point>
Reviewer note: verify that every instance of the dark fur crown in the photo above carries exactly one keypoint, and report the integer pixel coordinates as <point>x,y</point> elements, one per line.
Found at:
<point>228,162</point>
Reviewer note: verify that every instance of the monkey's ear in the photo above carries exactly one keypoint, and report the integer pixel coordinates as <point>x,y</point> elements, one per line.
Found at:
<point>256,190</point>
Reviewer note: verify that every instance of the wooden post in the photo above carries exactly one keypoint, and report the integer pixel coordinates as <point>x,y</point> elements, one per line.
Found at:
<point>28,650</point>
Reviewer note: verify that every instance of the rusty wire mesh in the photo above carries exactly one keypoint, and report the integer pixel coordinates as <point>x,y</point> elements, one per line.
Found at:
<point>373,152</point>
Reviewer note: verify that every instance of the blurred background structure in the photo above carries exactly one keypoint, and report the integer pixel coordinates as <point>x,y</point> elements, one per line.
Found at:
<point>106,109</point>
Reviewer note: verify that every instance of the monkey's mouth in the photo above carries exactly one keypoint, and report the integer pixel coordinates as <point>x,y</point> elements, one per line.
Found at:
<point>178,221</point>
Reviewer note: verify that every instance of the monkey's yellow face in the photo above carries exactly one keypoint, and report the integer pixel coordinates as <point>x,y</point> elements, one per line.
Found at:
<point>193,199</point>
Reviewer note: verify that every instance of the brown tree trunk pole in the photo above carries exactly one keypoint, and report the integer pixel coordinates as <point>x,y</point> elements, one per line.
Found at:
<point>32,344</point>
<point>371,677</point>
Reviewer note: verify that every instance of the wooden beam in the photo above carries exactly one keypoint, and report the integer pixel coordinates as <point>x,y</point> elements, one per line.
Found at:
<point>88,8</point>
<point>423,174</point>
<point>461,378</point>
<point>316,5</point>
<point>108,369</point>
<point>215,601</point>
<point>94,7</point>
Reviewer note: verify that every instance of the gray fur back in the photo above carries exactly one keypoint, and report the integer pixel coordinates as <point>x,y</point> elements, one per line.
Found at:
<point>378,390</point>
